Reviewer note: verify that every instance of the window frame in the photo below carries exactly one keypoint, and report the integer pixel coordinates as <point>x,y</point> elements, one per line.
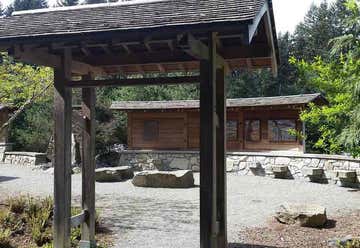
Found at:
<point>155,135</point>
<point>260,130</point>
<point>282,141</point>
<point>237,130</point>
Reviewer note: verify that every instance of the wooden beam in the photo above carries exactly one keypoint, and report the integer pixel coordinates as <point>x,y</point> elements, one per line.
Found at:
<point>41,57</point>
<point>79,219</point>
<point>88,168</point>
<point>221,209</point>
<point>62,155</point>
<point>174,56</point>
<point>198,49</point>
<point>134,82</point>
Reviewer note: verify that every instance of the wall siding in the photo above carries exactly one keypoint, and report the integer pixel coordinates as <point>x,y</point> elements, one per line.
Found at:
<point>181,130</point>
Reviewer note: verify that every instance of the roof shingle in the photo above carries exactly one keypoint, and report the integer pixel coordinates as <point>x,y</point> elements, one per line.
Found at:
<point>122,16</point>
<point>239,102</point>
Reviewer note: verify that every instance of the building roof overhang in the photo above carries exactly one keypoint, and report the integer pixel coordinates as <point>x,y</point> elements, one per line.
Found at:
<point>143,36</point>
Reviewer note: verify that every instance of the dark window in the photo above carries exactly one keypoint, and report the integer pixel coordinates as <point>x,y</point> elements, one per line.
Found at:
<point>232,130</point>
<point>151,130</point>
<point>252,130</point>
<point>279,130</point>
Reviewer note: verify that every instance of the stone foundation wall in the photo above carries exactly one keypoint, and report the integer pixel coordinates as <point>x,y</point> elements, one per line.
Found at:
<point>4,147</point>
<point>25,158</point>
<point>246,163</point>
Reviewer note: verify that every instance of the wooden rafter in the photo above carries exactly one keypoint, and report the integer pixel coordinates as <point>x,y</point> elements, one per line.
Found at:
<point>134,81</point>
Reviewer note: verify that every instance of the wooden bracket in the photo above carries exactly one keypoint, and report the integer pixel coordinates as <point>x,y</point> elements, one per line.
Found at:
<point>43,58</point>
<point>198,49</point>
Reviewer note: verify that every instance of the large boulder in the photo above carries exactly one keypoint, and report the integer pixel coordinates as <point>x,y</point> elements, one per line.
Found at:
<point>114,174</point>
<point>306,215</point>
<point>164,179</point>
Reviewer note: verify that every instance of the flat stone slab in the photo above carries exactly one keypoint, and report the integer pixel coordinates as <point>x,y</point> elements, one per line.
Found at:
<point>279,168</point>
<point>164,179</point>
<point>346,174</point>
<point>313,172</point>
<point>306,215</point>
<point>114,174</point>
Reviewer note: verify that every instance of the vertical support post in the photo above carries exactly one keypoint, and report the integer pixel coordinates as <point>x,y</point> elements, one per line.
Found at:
<point>221,157</point>
<point>62,154</point>
<point>212,152</point>
<point>304,137</point>
<point>88,168</point>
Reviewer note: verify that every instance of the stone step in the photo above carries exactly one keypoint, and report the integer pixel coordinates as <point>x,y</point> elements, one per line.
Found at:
<point>346,174</point>
<point>313,172</point>
<point>279,168</point>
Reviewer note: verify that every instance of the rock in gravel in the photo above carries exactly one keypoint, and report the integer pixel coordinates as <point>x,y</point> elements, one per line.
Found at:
<point>164,179</point>
<point>306,215</point>
<point>114,174</point>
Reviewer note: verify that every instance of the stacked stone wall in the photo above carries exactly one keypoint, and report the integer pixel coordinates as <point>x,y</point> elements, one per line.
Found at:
<point>246,163</point>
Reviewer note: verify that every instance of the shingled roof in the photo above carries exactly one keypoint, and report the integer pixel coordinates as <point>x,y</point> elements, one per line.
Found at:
<point>126,15</point>
<point>239,102</point>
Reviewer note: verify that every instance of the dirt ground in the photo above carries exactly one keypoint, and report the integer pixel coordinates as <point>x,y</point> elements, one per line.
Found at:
<point>280,235</point>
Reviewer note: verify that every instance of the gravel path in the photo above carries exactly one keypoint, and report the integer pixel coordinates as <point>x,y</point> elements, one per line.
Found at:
<point>163,218</point>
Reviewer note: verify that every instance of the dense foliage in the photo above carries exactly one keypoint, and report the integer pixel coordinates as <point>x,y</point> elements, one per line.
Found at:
<point>321,56</point>
<point>338,124</point>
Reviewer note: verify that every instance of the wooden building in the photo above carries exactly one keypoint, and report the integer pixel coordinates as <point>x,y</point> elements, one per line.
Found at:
<point>253,124</point>
<point>127,43</point>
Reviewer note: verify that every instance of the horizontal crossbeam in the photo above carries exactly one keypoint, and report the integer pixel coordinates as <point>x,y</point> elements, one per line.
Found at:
<point>134,82</point>
<point>77,220</point>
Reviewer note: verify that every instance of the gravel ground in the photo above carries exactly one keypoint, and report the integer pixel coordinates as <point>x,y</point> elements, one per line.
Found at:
<point>163,218</point>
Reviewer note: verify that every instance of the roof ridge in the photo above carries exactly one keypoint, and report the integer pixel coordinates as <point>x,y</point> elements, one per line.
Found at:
<point>85,6</point>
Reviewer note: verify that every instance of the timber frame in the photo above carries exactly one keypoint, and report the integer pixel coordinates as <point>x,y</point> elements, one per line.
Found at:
<point>90,46</point>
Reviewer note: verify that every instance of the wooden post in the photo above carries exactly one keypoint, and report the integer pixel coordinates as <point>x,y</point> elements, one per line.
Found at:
<point>88,168</point>
<point>221,158</point>
<point>62,155</point>
<point>304,136</point>
<point>212,152</point>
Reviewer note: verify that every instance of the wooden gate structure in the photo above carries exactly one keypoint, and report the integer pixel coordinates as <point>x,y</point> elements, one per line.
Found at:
<point>126,44</point>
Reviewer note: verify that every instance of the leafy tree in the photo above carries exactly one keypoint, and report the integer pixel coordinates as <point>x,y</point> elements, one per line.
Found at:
<point>19,5</point>
<point>22,85</point>
<point>32,130</point>
<point>94,1</point>
<point>337,125</point>
<point>63,3</point>
<point>321,24</point>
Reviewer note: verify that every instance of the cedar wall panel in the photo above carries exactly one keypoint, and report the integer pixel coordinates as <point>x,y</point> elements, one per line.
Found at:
<point>265,143</point>
<point>181,130</point>
<point>171,134</point>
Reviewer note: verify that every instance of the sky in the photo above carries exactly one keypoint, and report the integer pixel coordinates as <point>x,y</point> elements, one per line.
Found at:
<point>288,13</point>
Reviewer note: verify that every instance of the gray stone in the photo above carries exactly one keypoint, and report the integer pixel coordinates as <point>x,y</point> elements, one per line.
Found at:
<point>179,163</point>
<point>76,170</point>
<point>282,161</point>
<point>306,215</point>
<point>229,165</point>
<point>195,168</point>
<point>113,174</point>
<point>164,179</point>
<point>313,172</point>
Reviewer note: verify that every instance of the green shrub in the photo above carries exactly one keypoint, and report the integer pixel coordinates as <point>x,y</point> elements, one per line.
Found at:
<point>17,205</point>
<point>352,244</point>
<point>5,238</point>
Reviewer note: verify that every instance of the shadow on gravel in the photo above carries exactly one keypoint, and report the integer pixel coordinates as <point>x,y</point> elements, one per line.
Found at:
<point>238,245</point>
<point>4,179</point>
<point>330,224</point>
